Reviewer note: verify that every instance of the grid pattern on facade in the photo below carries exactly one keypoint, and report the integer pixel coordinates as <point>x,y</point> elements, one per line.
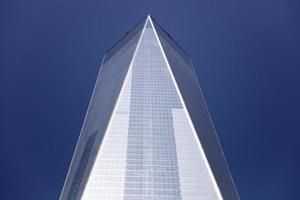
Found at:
<point>73,192</point>
<point>159,142</point>
<point>106,91</point>
<point>195,180</point>
<point>151,165</point>
<point>106,181</point>
<point>190,90</point>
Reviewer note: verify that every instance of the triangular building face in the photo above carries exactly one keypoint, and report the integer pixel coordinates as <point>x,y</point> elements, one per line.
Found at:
<point>142,136</point>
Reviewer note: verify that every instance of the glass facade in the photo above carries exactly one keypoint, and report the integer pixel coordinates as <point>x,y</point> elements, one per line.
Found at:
<point>187,82</point>
<point>148,145</point>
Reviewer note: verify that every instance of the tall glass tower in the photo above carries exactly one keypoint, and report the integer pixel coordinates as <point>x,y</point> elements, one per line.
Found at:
<point>147,134</point>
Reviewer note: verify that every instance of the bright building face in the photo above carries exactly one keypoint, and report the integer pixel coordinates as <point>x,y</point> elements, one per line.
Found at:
<point>147,134</point>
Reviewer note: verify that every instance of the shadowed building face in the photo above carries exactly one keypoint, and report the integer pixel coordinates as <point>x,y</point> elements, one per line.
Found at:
<point>147,133</point>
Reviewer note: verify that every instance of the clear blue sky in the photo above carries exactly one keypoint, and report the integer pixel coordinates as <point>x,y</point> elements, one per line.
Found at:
<point>246,54</point>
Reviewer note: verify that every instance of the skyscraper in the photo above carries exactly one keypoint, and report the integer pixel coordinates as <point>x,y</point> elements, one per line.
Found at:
<point>147,134</point>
